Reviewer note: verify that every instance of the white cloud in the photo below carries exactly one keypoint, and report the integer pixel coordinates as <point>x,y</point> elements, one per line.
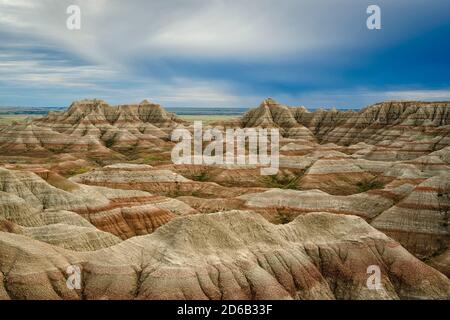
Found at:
<point>115,34</point>
<point>359,97</point>
<point>39,72</point>
<point>443,94</point>
<point>115,31</point>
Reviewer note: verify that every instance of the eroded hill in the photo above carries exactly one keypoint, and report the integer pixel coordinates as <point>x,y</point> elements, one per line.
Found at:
<point>93,186</point>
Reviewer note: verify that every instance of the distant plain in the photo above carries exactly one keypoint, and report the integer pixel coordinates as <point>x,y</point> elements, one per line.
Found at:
<point>206,115</point>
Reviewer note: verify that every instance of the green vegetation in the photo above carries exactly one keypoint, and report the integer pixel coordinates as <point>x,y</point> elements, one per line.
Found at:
<point>155,158</point>
<point>206,119</point>
<point>6,120</point>
<point>196,193</point>
<point>76,171</point>
<point>283,218</point>
<point>109,143</point>
<point>369,184</point>
<point>282,181</point>
<point>443,197</point>
<point>175,193</point>
<point>201,176</point>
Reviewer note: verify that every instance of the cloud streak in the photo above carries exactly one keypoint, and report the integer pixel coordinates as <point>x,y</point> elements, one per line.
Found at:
<point>219,52</point>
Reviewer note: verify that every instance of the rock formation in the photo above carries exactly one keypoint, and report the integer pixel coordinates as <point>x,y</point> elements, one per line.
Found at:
<point>229,255</point>
<point>399,130</point>
<point>94,187</point>
<point>27,199</point>
<point>92,126</point>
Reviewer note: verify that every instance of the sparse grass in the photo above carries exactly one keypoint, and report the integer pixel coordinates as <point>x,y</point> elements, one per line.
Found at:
<point>154,158</point>
<point>175,193</point>
<point>196,193</point>
<point>76,171</point>
<point>9,119</point>
<point>443,197</point>
<point>283,218</point>
<point>282,181</point>
<point>201,176</point>
<point>369,184</point>
<point>109,143</point>
<point>206,119</point>
<point>441,248</point>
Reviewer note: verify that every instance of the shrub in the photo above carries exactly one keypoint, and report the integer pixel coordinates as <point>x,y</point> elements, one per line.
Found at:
<point>281,181</point>
<point>369,184</point>
<point>76,171</point>
<point>283,218</point>
<point>201,176</point>
<point>154,158</point>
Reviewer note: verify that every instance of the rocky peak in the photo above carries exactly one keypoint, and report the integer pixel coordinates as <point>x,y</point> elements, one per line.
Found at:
<point>270,102</point>
<point>145,102</point>
<point>269,114</point>
<point>87,105</point>
<point>322,122</point>
<point>98,111</point>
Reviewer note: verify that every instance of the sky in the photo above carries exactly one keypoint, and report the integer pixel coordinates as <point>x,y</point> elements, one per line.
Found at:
<point>218,53</point>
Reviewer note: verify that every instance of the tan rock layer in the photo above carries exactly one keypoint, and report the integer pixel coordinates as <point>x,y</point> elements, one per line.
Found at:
<point>234,255</point>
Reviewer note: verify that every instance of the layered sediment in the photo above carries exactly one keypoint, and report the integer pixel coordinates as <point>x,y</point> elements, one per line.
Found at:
<point>94,187</point>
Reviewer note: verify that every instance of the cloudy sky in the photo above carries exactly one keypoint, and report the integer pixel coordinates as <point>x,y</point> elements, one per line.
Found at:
<point>221,53</point>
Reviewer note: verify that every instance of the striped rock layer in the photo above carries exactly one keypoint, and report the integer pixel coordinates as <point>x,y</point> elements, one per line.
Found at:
<point>399,130</point>
<point>91,126</point>
<point>228,255</point>
<point>354,189</point>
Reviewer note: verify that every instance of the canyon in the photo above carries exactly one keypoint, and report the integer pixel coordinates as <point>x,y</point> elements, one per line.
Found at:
<point>94,186</point>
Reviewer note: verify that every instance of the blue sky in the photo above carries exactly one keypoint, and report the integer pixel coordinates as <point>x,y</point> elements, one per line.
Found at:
<point>217,53</point>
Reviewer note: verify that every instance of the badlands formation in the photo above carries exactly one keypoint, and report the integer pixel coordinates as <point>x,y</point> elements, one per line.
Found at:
<point>94,187</point>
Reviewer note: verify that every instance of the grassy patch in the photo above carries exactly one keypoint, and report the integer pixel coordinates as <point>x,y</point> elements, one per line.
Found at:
<point>76,171</point>
<point>369,184</point>
<point>155,158</point>
<point>201,176</point>
<point>281,181</point>
<point>109,143</point>
<point>206,119</point>
<point>283,218</point>
<point>10,119</point>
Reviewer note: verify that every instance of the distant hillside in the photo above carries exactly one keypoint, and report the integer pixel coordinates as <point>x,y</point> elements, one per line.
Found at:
<point>8,110</point>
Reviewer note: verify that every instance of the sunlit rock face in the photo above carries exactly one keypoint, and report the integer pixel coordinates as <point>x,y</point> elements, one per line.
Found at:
<point>92,126</point>
<point>30,201</point>
<point>400,130</point>
<point>270,114</point>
